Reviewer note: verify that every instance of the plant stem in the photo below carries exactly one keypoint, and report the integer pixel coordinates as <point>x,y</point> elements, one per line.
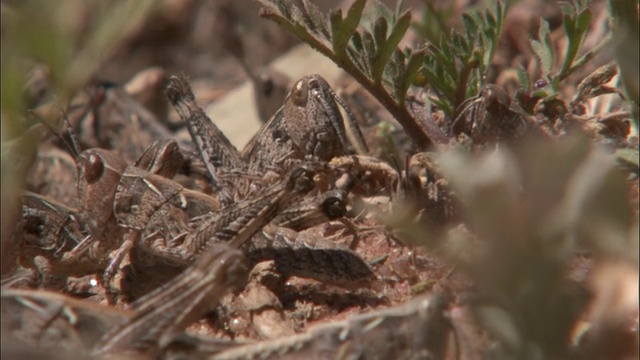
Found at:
<point>400,113</point>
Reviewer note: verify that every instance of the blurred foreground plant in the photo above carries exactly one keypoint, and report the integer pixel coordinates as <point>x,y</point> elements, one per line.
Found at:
<point>61,43</point>
<point>530,217</point>
<point>535,220</point>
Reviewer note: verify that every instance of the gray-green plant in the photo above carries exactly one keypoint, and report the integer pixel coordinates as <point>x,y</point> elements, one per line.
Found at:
<point>535,211</point>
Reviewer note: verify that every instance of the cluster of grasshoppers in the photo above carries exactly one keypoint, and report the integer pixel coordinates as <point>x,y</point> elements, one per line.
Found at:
<point>188,219</point>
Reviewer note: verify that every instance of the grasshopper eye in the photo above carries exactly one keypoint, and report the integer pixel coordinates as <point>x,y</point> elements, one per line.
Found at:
<point>300,93</point>
<point>334,207</point>
<point>93,169</point>
<point>301,179</point>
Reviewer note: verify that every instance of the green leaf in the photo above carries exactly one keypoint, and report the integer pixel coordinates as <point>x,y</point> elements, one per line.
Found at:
<point>584,20</point>
<point>356,40</point>
<point>567,8</point>
<point>568,23</point>
<point>385,50</point>
<point>339,37</point>
<point>542,48</point>
<point>460,46</point>
<point>380,32</point>
<point>314,18</point>
<point>354,14</point>
<point>523,79</point>
<point>576,34</point>
<point>413,67</point>
<point>359,61</point>
<point>369,44</point>
<point>491,20</point>
<point>501,12</point>
<point>470,26</point>
<point>342,30</point>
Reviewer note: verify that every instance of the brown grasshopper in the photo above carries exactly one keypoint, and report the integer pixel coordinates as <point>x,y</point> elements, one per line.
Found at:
<point>164,246</point>
<point>249,214</point>
<point>308,124</point>
<point>67,241</point>
<point>46,234</point>
<point>52,168</point>
<point>48,321</point>
<point>181,300</point>
<point>41,322</point>
<point>172,307</point>
<point>491,116</point>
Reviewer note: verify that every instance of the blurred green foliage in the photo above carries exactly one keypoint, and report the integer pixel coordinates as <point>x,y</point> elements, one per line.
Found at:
<point>65,40</point>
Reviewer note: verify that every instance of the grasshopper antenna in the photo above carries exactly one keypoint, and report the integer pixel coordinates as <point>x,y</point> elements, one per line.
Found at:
<point>360,143</point>
<point>72,144</point>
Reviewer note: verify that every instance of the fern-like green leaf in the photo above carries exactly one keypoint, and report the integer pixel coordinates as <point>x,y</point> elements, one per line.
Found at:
<point>542,47</point>
<point>343,29</point>
<point>470,26</point>
<point>380,31</point>
<point>315,18</point>
<point>387,47</point>
<point>413,67</point>
<point>576,30</point>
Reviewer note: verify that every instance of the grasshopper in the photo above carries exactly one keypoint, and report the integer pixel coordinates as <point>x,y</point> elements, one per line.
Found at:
<point>41,322</point>
<point>46,234</point>
<point>73,241</point>
<point>51,168</point>
<point>182,300</point>
<point>308,124</point>
<point>164,248</point>
<point>69,241</point>
<point>491,116</point>
<point>54,322</point>
<point>247,214</point>
<point>178,303</point>
<point>97,174</point>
